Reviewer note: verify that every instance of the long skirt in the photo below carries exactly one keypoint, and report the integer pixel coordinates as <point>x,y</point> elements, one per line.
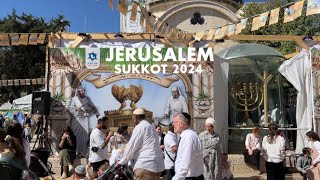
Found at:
<point>254,159</point>
<point>66,157</point>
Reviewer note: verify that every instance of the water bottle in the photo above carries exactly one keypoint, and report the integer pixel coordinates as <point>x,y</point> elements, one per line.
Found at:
<point>25,175</point>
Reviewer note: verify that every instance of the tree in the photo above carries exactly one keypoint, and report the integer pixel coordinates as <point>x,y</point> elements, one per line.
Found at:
<point>303,26</point>
<point>24,62</point>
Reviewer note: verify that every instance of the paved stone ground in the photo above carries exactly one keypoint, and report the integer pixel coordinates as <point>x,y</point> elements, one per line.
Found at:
<point>240,170</point>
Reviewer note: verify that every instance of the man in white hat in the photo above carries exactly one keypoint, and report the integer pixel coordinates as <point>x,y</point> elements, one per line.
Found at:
<point>144,149</point>
<point>81,108</point>
<point>176,104</point>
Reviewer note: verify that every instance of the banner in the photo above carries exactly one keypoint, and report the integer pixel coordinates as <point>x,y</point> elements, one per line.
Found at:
<point>293,12</point>
<point>274,16</point>
<point>99,82</point>
<point>242,25</point>
<point>313,7</point>
<point>259,21</point>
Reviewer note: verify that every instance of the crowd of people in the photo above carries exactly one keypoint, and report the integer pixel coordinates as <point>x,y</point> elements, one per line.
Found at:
<point>148,153</point>
<point>272,148</point>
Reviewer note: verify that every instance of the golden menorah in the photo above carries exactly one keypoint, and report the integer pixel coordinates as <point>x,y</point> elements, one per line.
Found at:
<point>246,97</point>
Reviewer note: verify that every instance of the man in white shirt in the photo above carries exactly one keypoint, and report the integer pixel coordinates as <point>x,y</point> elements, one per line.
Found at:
<point>189,161</point>
<point>98,144</point>
<point>170,150</point>
<point>144,149</point>
<point>176,104</point>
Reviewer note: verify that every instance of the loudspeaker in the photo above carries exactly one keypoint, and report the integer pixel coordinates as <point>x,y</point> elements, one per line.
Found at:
<point>40,102</point>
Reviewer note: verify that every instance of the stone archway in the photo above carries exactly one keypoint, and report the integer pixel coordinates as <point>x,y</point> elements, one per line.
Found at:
<point>215,14</point>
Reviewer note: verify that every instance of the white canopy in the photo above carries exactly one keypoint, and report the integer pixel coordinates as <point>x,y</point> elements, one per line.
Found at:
<point>24,102</point>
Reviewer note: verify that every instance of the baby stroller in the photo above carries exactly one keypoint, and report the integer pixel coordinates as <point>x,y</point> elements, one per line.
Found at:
<point>115,172</point>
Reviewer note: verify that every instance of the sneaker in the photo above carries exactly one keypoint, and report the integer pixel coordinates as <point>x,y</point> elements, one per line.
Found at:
<point>71,169</point>
<point>64,175</point>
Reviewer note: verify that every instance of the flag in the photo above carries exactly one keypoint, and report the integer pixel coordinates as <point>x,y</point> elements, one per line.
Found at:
<point>241,25</point>
<point>123,7</point>
<point>173,34</point>
<point>33,39</point>
<point>142,21</point>
<point>231,29</point>
<point>41,38</point>
<point>149,23</point>
<point>110,4</point>
<point>274,16</point>
<point>293,12</point>
<point>4,40</point>
<point>313,7</point>
<point>198,36</point>
<point>259,21</point>
<point>210,35</point>
<point>220,32</point>
<point>14,39</point>
<point>24,38</point>
<point>134,11</point>
<point>157,25</point>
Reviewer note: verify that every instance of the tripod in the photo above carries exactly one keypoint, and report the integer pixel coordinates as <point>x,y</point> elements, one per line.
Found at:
<point>42,136</point>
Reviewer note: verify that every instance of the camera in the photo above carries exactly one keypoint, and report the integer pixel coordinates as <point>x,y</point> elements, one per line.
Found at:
<point>94,149</point>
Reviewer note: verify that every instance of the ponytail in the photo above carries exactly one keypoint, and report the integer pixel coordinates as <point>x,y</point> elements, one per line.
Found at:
<point>273,128</point>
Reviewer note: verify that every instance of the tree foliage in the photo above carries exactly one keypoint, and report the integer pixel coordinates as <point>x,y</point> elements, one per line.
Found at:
<point>24,62</point>
<point>302,26</point>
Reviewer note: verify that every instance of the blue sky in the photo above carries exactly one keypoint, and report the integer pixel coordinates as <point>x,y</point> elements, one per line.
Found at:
<point>99,17</point>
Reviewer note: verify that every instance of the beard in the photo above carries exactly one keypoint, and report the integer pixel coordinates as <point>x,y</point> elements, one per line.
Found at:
<point>176,96</point>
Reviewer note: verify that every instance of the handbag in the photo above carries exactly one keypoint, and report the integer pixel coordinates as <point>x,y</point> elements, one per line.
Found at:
<point>173,160</point>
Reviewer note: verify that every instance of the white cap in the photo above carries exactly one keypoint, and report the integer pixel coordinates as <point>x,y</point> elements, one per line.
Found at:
<point>211,121</point>
<point>139,111</point>
<point>80,169</point>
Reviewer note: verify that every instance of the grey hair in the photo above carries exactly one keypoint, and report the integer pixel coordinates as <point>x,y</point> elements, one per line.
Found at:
<point>182,118</point>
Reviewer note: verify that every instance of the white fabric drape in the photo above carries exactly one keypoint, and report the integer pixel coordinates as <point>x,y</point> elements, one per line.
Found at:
<point>297,71</point>
<point>220,91</point>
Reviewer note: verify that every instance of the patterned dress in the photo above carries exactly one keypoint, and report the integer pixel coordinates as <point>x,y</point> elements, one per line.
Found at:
<point>211,155</point>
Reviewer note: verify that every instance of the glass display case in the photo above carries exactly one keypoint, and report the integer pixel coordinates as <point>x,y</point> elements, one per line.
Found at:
<point>258,93</point>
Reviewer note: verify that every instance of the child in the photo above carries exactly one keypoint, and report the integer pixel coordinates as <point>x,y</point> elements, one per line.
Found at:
<point>27,133</point>
<point>304,162</point>
<point>226,171</point>
<point>117,153</point>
